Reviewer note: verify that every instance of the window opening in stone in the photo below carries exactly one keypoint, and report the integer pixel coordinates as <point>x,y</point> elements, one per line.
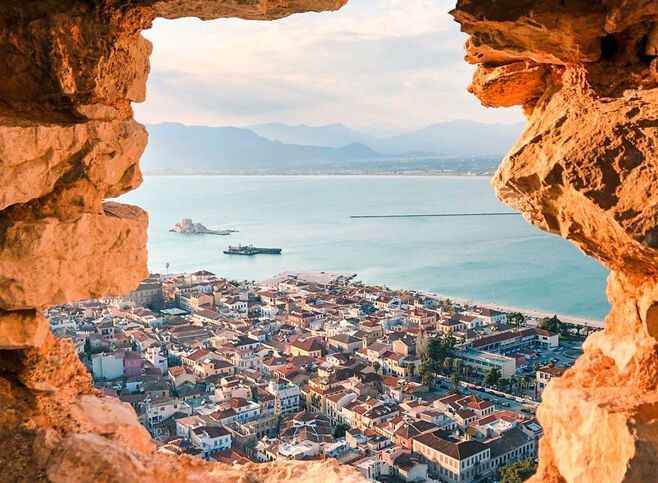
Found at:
<point>330,277</point>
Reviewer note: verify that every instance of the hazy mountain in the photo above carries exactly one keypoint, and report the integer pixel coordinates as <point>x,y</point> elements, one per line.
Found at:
<point>455,146</point>
<point>332,135</point>
<point>455,138</point>
<point>451,138</point>
<point>176,147</point>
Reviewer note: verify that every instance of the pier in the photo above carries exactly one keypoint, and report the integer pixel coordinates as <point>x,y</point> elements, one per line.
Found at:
<point>439,215</point>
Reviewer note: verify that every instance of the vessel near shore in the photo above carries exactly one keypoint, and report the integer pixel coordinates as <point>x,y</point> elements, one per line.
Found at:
<point>187,227</point>
<point>249,250</point>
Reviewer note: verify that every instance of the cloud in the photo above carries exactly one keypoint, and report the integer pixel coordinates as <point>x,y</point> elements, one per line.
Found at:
<point>374,62</point>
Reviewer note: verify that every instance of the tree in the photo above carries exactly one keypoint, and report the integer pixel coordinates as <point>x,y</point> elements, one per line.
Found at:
<point>503,383</point>
<point>412,370</point>
<point>458,365</point>
<point>447,365</point>
<point>469,371</point>
<point>518,471</point>
<point>492,377</point>
<point>377,366</point>
<point>551,324</point>
<point>516,318</point>
<point>340,430</point>
<point>454,383</point>
<point>513,381</point>
<point>433,350</point>
<point>427,378</point>
<point>523,383</point>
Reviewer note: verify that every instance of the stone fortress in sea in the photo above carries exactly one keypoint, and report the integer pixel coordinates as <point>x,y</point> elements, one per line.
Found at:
<point>187,227</point>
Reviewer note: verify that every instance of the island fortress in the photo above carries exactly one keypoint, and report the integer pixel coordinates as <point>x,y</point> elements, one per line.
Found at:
<point>187,227</point>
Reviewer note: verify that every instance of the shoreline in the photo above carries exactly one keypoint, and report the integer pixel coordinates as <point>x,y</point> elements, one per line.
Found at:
<point>416,174</point>
<point>528,312</point>
<point>533,313</point>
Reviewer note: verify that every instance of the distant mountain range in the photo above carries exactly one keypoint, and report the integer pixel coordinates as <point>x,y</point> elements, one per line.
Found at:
<point>451,138</point>
<point>281,148</point>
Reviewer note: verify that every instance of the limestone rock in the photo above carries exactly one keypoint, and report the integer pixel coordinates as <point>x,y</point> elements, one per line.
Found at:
<point>595,195</point>
<point>105,461</point>
<point>21,330</point>
<point>48,261</point>
<point>247,9</point>
<point>585,168</point>
<point>515,84</point>
<point>98,156</point>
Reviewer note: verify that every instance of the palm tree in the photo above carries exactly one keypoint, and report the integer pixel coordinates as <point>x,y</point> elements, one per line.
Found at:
<point>503,383</point>
<point>468,371</point>
<point>523,384</point>
<point>513,381</point>
<point>458,365</point>
<point>447,364</point>
<point>454,380</point>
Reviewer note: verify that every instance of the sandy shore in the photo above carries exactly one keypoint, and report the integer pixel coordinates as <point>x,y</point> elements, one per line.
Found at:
<point>537,314</point>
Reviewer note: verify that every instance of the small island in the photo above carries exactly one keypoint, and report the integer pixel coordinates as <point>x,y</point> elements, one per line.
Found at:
<point>187,227</point>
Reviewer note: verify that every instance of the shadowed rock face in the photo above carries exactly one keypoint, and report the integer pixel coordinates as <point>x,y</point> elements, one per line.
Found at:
<point>586,168</point>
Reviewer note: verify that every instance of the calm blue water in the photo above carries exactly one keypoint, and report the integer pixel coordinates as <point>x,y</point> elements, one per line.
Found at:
<point>499,259</point>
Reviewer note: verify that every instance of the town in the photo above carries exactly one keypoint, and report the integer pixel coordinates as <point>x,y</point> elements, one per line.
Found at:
<point>402,385</point>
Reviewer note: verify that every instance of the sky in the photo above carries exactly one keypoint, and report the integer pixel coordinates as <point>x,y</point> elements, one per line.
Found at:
<point>381,66</point>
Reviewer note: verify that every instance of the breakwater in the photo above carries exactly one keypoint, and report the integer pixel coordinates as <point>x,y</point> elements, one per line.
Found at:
<point>438,215</point>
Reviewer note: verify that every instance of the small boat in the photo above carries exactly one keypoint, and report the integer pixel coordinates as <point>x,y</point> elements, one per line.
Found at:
<point>249,250</point>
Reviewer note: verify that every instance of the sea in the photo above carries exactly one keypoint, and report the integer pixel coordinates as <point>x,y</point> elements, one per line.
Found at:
<point>498,259</point>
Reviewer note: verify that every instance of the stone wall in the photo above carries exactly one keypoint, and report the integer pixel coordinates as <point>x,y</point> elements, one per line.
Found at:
<point>585,168</point>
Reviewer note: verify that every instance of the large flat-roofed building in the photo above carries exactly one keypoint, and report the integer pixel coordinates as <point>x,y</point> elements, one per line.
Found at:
<point>484,361</point>
<point>514,340</point>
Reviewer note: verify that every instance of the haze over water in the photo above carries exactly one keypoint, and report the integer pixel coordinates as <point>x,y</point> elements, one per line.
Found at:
<point>500,259</point>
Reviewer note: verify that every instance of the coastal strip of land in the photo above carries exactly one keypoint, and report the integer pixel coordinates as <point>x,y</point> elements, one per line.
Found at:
<point>438,215</point>
<point>536,314</point>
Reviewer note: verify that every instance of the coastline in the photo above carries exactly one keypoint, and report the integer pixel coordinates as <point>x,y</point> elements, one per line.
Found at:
<point>537,314</point>
<point>311,275</point>
<point>417,174</point>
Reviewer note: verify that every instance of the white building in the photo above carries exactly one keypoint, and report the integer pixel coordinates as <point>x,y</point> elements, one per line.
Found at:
<point>106,367</point>
<point>156,357</point>
<point>484,361</point>
<point>210,438</point>
<point>286,397</point>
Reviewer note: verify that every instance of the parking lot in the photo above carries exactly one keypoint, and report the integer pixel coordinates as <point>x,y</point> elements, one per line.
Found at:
<point>564,356</point>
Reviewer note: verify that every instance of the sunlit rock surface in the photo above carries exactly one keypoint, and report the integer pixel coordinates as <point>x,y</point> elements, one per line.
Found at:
<point>586,168</point>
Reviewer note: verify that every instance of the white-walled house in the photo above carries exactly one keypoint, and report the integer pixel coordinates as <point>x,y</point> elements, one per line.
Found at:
<point>210,438</point>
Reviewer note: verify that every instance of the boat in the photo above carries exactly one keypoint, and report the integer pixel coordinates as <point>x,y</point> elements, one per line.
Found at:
<point>249,250</point>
